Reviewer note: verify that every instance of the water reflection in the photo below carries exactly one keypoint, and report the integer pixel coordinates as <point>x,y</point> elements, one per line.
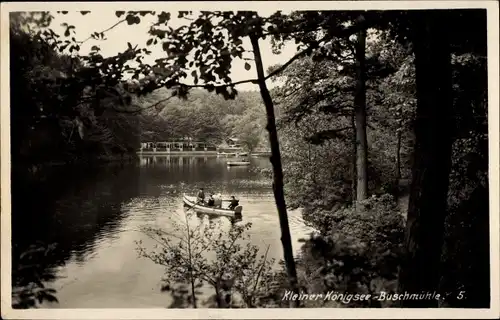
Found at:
<point>173,160</point>
<point>94,218</point>
<point>68,211</point>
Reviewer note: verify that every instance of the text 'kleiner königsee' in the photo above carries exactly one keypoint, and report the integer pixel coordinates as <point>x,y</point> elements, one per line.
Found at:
<point>349,297</point>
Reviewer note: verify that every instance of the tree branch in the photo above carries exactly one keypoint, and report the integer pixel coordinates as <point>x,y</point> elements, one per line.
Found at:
<point>280,32</point>
<point>255,81</point>
<point>340,33</point>
<point>139,110</point>
<point>106,30</point>
<point>295,57</point>
<point>264,261</point>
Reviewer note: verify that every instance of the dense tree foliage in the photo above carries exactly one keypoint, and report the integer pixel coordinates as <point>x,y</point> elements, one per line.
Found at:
<point>57,114</point>
<point>203,116</point>
<point>320,178</point>
<point>320,126</point>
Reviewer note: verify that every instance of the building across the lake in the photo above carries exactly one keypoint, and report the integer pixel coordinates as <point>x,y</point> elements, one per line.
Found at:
<point>189,146</point>
<point>186,145</point>
<point>233,143</point>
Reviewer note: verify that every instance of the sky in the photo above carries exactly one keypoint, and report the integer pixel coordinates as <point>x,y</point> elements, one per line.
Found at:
<point>118,37</point>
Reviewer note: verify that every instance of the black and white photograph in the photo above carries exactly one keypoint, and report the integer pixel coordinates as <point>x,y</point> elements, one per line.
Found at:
<point>324,160</point>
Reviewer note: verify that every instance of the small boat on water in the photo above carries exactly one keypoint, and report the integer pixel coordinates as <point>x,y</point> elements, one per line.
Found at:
<point>227,154</point>
<point>242,154</point>
<point>190,202</point>
<point>238,163</point>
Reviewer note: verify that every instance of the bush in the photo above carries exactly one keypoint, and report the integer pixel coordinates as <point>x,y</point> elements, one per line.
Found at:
<point>31,279</point>
<point>359,250</point>
<point>201,254</point>
<point>264,172</point>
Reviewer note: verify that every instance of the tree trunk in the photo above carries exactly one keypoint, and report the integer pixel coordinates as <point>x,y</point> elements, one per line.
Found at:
<point>398,156</point>
<point>191,277</point>
<point>193,290</point>
<point>218,300</point>
<point>354,158</point>
<point>279,196</point>
<point>360,114</point>
<point>396,189</point>
<point>420,270</point>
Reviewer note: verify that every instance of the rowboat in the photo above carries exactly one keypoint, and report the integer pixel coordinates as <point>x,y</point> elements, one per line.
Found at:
<point>226,154</point>
<point>238,163</point>
<point>191,202</point>
<point>242,154</point>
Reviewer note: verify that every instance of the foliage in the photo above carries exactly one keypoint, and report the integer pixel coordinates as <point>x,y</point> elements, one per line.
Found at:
<point>58,112</point>
<point>306,129</point>
<point>358,249</point>
<point>206,254</point>
<point>392,121</point>
<point>466,252</point>
<point>358,252</point>
<point>361,250</point>
<point>391,112</point>
<point>250,128</point>
<point>29,285</point>
<point>312,180</point>
<point>316,125</point>
<point>202,116</point>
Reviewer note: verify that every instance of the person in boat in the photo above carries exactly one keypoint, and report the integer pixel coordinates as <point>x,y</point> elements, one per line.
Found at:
<point>218,200</point>
<point>201,196</point>
<point>211,200</point>
<point>234,203</point>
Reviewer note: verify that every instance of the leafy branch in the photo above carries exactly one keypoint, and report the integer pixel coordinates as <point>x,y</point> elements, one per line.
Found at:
<point>101,34</point>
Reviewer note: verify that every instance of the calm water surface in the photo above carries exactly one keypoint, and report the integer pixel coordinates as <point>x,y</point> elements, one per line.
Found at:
<point>93,219</point>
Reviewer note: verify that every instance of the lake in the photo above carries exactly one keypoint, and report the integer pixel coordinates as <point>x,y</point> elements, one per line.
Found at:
<point>93,218</point>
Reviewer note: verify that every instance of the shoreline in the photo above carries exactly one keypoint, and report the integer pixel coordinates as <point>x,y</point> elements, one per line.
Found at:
<point>192,153</point>
<point>167,153</point>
